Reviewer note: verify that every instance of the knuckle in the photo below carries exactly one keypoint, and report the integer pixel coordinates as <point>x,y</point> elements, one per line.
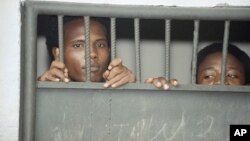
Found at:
<point>53,63</point>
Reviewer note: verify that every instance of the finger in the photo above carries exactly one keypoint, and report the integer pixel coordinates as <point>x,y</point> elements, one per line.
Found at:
<point>57,58</point>
<point>149,80</point>
<point>57,73</point>
<point>48,77</point>
<point>160,82</point>
<point>116,71</point>
<point>156,82</point>
<point>58,65</point>
<point>62,76</point>
<point>115,63</point>
<point>164,82</point>
<point>174,82</point>
<point>120,82</point>
<point>66,72</point>
<point>51,78</point>
<point>117,78</point>
<point>106,74</point>
<point>66,80</point>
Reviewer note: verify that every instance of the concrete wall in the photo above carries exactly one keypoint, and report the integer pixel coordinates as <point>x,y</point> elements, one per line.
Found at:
<point>10,69</point>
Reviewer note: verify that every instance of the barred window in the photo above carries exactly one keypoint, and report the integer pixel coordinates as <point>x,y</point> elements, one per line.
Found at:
<point>152,41</point>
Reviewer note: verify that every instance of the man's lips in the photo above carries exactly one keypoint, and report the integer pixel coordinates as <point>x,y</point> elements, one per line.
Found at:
<point>93,68</point>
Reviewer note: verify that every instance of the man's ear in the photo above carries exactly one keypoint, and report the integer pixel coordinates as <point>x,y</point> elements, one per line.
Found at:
<point>55,52</point>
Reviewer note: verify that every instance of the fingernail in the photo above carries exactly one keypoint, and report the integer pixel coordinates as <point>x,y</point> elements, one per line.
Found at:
<point>158,84</point>
<point>150,79</point>
<point>174,82</point>
<point>106,85</point>
<point>110,67</point>
<point>66,80</point>
<point>113,85</point>
<point>165,86</point>
<point>57,79</point>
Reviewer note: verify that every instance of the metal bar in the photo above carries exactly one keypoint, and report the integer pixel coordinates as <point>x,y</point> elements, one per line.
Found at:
<point>167,48</point>
<point>113,55</point>
<point>60,37</point>
<point>87,46</point>
<point>137,49</point>
<point>224,52</point>
<point>136,11</point>
<point>30,59</point>
<point>141,87</point>
<point>194,54</point>
<point>113,37</point>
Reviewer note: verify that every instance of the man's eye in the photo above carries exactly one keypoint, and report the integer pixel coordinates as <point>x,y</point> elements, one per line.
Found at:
<point>208,77</point>
<point>232,76</point>
<point>78,45</point>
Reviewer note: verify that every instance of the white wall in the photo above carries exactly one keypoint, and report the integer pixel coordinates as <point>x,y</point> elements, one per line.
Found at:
<point>10,53</point>
<point>10,69</point>
<point>203,3</point>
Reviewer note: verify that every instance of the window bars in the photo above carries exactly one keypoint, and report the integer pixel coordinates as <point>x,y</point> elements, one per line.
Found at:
<point>137,13</point>
<point>32,9</point>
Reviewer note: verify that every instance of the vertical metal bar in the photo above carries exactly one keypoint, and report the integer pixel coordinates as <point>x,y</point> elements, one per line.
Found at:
<point>113,55</point>
<point>30,59</point>
<point>167,48</point>
<point>113,38</point>
<point>137,49</point>
<point>60,37</point>
<point>224,52</point>
<point>195,46</point>
<point>87,46</point>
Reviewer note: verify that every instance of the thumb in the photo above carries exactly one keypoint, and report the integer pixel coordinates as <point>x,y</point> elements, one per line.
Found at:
<point>149,80</point>
<point>114,63</point>
<point>56,54</point>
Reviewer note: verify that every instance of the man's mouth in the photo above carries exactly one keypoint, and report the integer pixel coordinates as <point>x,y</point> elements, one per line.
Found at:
<point>93,68</point>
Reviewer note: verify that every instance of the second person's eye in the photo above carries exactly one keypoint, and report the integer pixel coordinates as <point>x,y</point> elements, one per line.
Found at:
<point>232,76</point>
<point>208,77</point>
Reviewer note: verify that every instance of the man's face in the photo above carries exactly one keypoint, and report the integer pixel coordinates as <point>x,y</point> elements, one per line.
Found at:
<point>209,71</point>
<point>74,50</point>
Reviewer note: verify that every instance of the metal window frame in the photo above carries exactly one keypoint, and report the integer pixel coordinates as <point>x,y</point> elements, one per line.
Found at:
<point>32,9</point>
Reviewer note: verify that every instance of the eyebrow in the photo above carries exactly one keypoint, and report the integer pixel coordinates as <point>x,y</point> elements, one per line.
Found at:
<point>235,68</point>
<point>207,68</point>
<point>74,41</point>
<point>83,41</point>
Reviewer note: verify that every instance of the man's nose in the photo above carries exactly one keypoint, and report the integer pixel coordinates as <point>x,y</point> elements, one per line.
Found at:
<point>93,52</point>
<point>217,81</point>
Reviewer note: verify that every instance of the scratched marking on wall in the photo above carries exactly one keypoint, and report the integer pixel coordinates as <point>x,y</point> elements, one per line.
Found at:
<point>147,130</point>
<point>143,130</point>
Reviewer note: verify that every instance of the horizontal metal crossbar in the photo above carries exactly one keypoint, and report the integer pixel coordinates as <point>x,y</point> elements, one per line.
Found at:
<point>151,12</point>
<point>142,86</point>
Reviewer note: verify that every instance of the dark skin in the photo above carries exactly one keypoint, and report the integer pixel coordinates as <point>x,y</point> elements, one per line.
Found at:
<point>209,72</point>
<point>114,73</point>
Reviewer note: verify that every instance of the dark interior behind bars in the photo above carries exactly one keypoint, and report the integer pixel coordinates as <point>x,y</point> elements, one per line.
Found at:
<point>180,30</point>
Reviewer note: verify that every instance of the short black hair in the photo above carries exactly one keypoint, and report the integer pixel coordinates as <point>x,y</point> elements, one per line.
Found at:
<point>52,33</point>
<point>232,49</point>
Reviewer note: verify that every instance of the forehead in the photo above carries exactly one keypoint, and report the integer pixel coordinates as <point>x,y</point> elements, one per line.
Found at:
<point>77,25</point>
<point>216,58</point>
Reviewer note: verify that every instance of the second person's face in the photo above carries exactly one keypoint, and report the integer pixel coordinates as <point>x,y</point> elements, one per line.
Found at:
<point>74,50</point>
<point>209,71</point>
